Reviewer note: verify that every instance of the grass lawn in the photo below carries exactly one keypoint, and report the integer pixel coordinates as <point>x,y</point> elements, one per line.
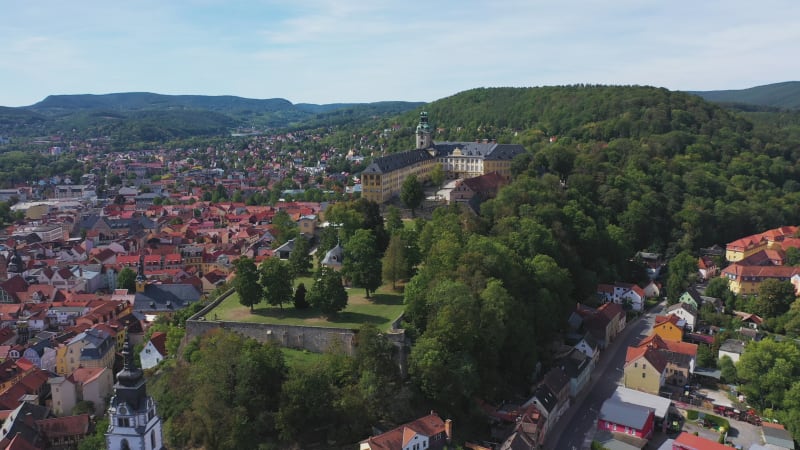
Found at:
<point>300,359</point>
<point>381,309</point>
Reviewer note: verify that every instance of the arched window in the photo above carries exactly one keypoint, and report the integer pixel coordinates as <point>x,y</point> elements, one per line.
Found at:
<point>124,445</point>
<point>153,440</point>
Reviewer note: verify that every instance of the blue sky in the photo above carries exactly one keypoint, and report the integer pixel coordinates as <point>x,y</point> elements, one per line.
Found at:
<point>326,51</point>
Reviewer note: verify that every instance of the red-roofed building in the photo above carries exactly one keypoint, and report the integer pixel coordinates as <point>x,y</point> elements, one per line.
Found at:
<point>688,441</point>
<point>670,328</point>
<point>644,369</point>
<point>680,357</point>
<point>424,433</point>
<point>154,351</point>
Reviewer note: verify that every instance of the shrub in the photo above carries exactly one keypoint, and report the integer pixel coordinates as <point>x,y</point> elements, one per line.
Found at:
<point>692,414</point>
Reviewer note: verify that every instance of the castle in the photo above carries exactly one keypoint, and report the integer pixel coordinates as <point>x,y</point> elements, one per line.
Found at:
<point>384,178</point>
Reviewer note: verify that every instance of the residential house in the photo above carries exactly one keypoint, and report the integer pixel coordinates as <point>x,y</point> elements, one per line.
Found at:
<point>691,297</point>
<point>645,369</point>
<point>605,323</point>
<point>559,383</point>
<point>776,435</point>
<point>688,441</point>
<point>529,432</point>
<point>670,328</point>
<point>548,402</point>
<point>63,433</point>
<point>652,290</point>
<point>777,238</point>
<point>285,250</point>
<point>707,268</point>
<point>99,350</point>
<point>679,356</point>
<point>429,432</point>
<point>732,348</point>
<point>164,298</point>
<point>578,367</point>
<point>21,422</point>
<point>154,351</point>
<point>652,262</point>
<point>752,321</point>
<point>626,418</point>
<point>92,384</point>
<point>624,294</point>
<point>307,225</point>
<point>686,312</point>
<point>746,279</point>
<point>659,404</point>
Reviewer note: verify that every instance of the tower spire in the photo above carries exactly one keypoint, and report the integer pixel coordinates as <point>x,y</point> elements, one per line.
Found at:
<point>423,132</point>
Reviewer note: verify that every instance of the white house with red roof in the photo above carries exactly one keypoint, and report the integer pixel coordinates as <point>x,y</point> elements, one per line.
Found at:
<point>429,432</point>
<point>622,293</point>
<point>154,351</point>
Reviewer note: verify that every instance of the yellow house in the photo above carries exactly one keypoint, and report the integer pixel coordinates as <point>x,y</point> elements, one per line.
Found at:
<point>746,279</point>
<point>774,239</point>
<point>644,369</point>
<point>667,328</point>
<point>92,348</point>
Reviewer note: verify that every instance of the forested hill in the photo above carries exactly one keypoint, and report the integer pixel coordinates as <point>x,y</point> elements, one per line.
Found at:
<point>778,95</point>
<point>142,116</point>
<point>631,168</point>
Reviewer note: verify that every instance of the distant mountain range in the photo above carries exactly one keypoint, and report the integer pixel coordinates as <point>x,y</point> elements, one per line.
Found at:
<point>784,95</point>
<point>160,117</point>
<point>150,117</point>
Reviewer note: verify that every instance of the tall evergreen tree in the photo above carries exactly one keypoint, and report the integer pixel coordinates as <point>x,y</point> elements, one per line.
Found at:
<point>395,265</point>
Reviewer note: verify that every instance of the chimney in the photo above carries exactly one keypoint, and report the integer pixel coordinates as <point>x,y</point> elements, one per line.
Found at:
<point>448,430</point>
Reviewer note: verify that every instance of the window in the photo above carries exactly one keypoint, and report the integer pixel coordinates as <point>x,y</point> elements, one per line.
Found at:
<point>644,374</point>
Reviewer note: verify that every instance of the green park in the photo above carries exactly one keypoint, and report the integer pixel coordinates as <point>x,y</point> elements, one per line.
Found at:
<point>381,309</point>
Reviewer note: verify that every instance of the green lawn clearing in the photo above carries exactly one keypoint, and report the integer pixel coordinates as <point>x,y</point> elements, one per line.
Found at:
<point>380,310</point>
<point>300,359</point>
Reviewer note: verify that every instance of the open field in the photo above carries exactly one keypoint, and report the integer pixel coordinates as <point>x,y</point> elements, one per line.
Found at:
<point>380,310</point>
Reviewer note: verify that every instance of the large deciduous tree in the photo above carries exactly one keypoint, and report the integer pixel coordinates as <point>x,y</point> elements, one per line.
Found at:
<point>127,279</point>
<point>276,279</point>
<point>682,271</point>
<point>411,193</point>
<point>246,282</point>
<point>774,298</point>
<point>362,263</point>
<point>299,259</point>
<point>328,293</point>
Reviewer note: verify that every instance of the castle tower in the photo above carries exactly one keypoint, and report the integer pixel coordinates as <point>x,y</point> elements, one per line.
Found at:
<point>133,421</point>
<point>424,140</point>
<point>141,280</point>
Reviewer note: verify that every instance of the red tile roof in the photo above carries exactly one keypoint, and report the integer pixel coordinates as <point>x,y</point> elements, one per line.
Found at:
<point>688,441</point>
<point>650,354</point>
<point>655,341</point>
<point>159,341</point>
<point>429,425</point>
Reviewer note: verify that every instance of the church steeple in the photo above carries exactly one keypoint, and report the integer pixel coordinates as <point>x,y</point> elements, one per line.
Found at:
<point>424,140</point>
<point>133,421</point>
<point>141,280</point>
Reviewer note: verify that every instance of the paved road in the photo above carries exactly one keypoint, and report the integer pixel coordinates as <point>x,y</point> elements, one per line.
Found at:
<point>572,431</point>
